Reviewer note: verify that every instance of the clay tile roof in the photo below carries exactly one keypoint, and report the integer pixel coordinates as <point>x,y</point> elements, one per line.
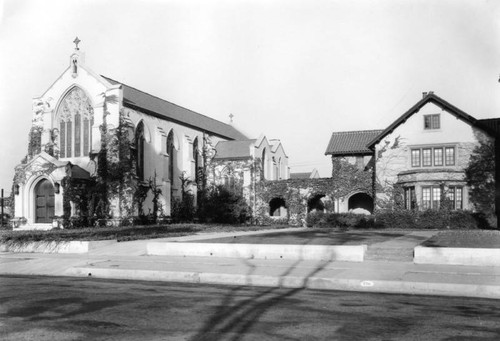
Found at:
<point>351,142</point>
<point>233,149</point>
<point>155,106</point>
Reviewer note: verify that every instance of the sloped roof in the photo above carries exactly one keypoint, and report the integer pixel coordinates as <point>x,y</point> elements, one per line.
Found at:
<point>233,149</point>
<point>429,98</point>
<point>155,106</point>
<point>490,124</point>
<point>304,175</point>
<point>351,142</point>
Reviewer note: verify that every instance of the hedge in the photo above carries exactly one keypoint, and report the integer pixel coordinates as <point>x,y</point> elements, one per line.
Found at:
<point>400,219</point>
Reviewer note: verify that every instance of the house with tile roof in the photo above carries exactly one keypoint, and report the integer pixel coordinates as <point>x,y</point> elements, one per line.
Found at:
<point>418,161</point>
<point>137,150</point>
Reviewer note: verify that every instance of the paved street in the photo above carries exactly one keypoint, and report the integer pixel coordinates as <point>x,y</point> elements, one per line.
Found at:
<point>62,308</point>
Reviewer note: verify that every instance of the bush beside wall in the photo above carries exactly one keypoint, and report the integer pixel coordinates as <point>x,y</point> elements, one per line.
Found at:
<point>400,219</point>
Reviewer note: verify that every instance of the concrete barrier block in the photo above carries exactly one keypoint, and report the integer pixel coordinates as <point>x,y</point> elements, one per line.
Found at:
<point>352,253</point>
<point>456,256</point>
<point>56,247</point>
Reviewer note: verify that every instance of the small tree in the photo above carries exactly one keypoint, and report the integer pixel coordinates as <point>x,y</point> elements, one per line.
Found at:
<point>224,205</point>
<point>183,210</point>
<point>480,177</point>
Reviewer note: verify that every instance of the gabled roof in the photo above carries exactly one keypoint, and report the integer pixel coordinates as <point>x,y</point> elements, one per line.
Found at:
<point>351,142</point>
<point>155,106</point>
<point>429,98</point>
<point>233,149</point>
<point>303,175</point>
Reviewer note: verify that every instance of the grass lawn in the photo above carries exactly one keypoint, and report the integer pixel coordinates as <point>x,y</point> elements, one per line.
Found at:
<point>125,233</point>
<point>465,239</point>
<point>322,236</point>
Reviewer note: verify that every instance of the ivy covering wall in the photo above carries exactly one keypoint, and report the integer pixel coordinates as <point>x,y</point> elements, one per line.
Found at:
<point>346,179</point>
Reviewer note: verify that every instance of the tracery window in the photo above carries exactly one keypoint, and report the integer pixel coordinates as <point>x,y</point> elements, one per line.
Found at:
<point>75,119</point>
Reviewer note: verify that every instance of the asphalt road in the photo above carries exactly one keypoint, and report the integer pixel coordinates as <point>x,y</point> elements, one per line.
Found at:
<point>56,308</point>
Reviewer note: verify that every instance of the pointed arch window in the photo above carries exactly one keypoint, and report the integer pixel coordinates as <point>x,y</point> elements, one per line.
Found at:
<point>171,156</point>
<point>75,116</point>
<point>263,163</point>
<point>139,156</point>
<point>228,180</point>
<point>196,157</point>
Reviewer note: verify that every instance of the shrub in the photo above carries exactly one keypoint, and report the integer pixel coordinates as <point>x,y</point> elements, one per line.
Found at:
<point>315,219</point>
<point>339,220</point>
<point>183,210</point>
<point>224,205</point>
<point>429,219</point>
<point>400,219</point>
<point>395,219</point>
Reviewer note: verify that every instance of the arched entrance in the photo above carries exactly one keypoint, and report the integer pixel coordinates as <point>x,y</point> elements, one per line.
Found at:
<point>361,200</point>
<point>277,207</point>
<point>316,203</point>
<point>44,202</point>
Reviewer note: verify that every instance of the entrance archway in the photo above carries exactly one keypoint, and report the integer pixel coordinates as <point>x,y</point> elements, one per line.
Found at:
<point>277,207</point>
<point>44,202</point>
<point>361,200</point>
<point>316,203</point>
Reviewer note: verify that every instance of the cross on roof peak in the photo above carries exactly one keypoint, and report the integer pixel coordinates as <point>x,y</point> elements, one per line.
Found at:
<point>76,41</point>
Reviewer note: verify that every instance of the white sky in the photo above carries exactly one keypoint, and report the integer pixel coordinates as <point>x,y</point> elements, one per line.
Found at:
<point>293,70</point>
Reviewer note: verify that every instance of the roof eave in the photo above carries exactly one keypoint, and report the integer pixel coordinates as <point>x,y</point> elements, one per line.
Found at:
<point>444,105</point>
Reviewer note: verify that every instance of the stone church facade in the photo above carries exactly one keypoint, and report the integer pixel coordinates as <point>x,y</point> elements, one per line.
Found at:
<point>90,130</point>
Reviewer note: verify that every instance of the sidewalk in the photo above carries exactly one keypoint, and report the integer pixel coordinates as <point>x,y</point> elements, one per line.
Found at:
<point>128,260</point>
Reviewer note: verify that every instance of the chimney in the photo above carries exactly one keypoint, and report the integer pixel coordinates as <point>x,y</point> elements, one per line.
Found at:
<point>424,94</point>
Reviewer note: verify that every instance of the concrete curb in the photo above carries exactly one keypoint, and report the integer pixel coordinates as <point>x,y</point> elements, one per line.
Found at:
<point>456,256</point>
<point>376,286</point>
<point>351,253</point>
<point>55,247</point>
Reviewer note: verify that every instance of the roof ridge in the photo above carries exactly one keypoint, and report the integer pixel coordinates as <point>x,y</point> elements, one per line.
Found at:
<point>161,99</point>
<point>358,131</point>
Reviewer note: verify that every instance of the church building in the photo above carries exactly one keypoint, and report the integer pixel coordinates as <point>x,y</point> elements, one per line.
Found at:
<point>91,131</point>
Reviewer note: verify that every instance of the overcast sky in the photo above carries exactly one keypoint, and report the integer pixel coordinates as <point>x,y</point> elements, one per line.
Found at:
<point>293,70</point>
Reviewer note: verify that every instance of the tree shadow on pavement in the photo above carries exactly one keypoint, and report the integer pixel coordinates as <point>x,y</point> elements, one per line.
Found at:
<point>233,317</point>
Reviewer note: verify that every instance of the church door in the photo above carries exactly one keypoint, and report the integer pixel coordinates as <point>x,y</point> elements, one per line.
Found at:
<point>44,202</point>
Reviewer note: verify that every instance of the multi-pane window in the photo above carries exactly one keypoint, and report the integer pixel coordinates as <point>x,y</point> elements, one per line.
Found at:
<point>76,117</point>
<point>426,198</point>
<point>432,122</point>
<point>454,197</point>
<point>427,157</point>
<point>449,153</point>
<point>410,198</point>
<point>438,156</point>
<point>432,196</point>
<point>433,156</point>
<point>436,197</point>
<point>415,157</point>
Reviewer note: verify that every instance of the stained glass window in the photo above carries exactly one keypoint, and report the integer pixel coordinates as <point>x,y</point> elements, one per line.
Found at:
<point>75,107</point>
